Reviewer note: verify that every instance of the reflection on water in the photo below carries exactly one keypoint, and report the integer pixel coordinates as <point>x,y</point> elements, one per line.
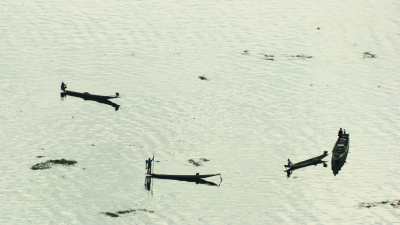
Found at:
<point>148,181</point>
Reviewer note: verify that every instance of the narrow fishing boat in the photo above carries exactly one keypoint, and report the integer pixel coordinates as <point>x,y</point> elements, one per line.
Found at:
<point>88,96</point>
<point>182,177</point>
<point>340,151</point>
<point>309,162</point>
<point>104,99</point>
<point>195,177</point>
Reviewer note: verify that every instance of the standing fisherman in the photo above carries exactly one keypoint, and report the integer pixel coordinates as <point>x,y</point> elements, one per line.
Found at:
<point>148,165</point>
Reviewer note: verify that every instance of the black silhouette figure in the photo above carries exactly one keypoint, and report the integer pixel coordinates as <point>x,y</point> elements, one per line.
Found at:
<point>103,99</point>
<point>196,178</point>
<point>309,162</point>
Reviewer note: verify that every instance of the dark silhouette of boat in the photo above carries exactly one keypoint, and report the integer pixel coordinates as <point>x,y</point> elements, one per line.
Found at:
<point>88,96</point>
<point>309,162</point>
<point>104,99</point>
<point>195,177</point>
<point>340,151</point>
<point>148,181</point>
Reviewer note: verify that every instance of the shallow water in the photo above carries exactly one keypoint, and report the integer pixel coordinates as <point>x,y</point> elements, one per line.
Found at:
<point>247,118</point>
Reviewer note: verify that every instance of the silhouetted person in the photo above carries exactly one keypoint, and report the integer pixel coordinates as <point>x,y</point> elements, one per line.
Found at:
<point>340,132</point>
<point>63,86</point>
<point>148,166</point>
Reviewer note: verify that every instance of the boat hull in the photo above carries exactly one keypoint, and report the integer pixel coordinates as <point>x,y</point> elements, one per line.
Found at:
<point>339,153</point>
<point>309,162</point>
<point>97,98</point>
<point>182,177</point>
<point>88,96</point>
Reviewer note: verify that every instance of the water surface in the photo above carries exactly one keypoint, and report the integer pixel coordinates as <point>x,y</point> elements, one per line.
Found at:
<point>247,118</point>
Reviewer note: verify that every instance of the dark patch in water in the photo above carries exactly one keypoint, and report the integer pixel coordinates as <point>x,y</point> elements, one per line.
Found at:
<point>116,214</point>
<point>198,162</point>
<point>40,156</point>
<point>126,211</point>
<point>394,204</point>
<point>245,52</point>
<point>368,55</point>
<point>49,163</point>
<point>203,78</point>
<point>192,161</point>
<point>110,214</point>
<point>301,56</point>
<point>269,57</point>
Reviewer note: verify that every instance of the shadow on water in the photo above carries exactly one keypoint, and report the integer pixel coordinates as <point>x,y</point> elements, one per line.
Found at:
<point>148,181</point>
<point>103,99</point>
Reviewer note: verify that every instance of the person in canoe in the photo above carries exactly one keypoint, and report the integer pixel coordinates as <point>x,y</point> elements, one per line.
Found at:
<point>63,86</point>
<point>148,165</point>
<point>340,133</point>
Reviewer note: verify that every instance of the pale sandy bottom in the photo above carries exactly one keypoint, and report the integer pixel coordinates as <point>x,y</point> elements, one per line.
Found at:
<point>247,119</point>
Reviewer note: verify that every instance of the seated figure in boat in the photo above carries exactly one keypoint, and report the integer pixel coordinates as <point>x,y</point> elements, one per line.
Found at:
<point>63,86</point>
<point>340,133</point>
